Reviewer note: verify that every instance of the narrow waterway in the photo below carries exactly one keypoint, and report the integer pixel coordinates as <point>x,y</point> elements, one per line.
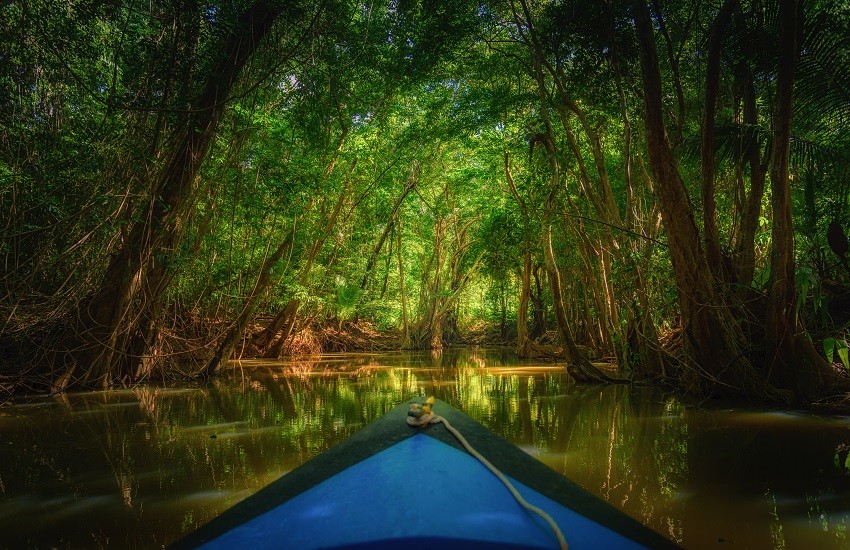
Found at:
<point>139,468</point>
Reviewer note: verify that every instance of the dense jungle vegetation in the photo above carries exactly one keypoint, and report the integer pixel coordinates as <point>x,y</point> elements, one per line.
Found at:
<point>660,184</point>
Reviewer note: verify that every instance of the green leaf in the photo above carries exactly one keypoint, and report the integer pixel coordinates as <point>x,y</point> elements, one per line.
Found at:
<point>829,348</point>
<point>843,353</point>
<point>804,279</point>
<point>761,277</point>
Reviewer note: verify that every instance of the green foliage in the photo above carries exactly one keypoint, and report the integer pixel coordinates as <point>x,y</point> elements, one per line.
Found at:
<point>831,346</point>
<point>347,297</point>
<point>501,241</point>
<point>347,103</point>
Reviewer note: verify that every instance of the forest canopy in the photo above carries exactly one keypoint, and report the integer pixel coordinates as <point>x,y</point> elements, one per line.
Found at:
<point>662,185</point>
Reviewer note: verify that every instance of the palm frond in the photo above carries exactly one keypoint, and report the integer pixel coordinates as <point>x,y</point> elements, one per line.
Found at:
<point>822,87</point>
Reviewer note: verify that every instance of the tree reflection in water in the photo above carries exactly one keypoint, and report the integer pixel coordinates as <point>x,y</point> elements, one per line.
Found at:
<point>141,467</point>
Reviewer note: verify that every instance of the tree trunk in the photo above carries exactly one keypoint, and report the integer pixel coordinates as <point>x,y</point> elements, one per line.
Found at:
<point>275,335</point>
<point>650,362</point>
<point>284,322</point>
<point>712,85</point>
<point>523,347</point>
<point>404,341</point>
<point>712,335</point>
<point>607,283</point>
<point>744,257</point>
<point>792,361</point>
<point>113,326</point>
<point>523,342</point>
<point>370,263</point>
<point>225,348</point>
<point>601,197</point>
<point>538,306</point>
<point>441,292</point>
<point>503,312</point>
<point>781,314</point>
<point>436,329</point>
<point>577,364</point>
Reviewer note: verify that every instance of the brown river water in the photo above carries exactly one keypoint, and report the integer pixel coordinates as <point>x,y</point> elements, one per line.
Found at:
<point>138,468</point>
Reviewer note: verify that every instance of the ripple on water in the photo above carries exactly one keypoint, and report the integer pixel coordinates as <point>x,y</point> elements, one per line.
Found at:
<point>86,505</point>
<point>21,505</point>
<point>246,433</point>
<point>801,418</point>
<point>214,427</point>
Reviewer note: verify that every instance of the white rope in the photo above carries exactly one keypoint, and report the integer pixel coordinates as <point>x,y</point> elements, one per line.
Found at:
<point>431,418</point>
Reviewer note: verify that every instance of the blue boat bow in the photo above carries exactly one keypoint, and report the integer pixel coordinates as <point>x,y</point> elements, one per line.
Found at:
<point>391,485</point>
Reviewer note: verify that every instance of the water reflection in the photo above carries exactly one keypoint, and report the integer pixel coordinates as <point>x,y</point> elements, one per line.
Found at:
<point>141,467</point>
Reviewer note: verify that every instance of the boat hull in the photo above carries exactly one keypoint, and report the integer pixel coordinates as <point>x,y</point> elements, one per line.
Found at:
<point>392,485</point>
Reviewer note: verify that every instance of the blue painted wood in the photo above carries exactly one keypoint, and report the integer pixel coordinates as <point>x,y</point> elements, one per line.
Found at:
<point>417,490</point>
